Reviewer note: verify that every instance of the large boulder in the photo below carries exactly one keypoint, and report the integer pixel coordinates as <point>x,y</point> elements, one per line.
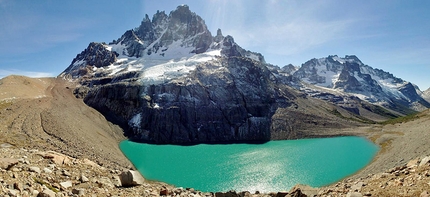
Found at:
<point>131,178</point>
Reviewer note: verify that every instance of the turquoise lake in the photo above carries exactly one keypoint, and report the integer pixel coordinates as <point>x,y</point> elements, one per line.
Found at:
<point>272,166</point>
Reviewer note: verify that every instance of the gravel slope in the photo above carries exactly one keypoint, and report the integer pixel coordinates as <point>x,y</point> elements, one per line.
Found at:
<point>49,117</point>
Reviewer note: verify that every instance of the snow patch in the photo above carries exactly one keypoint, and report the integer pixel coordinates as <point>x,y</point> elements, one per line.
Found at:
<point>175,62</point>
<point>135,121</point>
<point>338,59</point>
<point>119,48</point>
<point>253,56</point>
<point>78,63</point>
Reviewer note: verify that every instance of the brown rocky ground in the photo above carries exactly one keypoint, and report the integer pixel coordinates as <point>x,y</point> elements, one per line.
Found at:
<point>42,115</point>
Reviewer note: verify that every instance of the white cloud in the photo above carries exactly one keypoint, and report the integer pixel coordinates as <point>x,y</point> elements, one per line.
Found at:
<point>7,72</point>
<point>292,37</point>
<point>286,27</point>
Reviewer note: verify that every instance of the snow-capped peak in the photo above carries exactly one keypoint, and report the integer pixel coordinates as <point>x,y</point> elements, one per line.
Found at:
<point>350,75</point>
<point>161,49</point>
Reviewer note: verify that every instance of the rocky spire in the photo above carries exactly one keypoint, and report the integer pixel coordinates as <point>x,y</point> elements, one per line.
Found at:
<point>219,37</point>
<point>160,32</point>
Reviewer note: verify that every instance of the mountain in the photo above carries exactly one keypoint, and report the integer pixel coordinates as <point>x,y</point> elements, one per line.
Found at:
<point>426,94</point>
<point>349,75</point>
<point>171,81</point>
<point>163,48</point>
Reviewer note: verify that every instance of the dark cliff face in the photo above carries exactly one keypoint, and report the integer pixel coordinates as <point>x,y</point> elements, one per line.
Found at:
<point>211,109</point>
<point>231,99</point>
<point>228,100</point>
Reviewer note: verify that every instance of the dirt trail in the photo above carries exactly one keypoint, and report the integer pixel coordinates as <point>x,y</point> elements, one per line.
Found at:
<point>49,117</point>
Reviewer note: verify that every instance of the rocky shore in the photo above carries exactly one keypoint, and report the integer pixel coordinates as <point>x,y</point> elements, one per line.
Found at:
<point>412,179</point>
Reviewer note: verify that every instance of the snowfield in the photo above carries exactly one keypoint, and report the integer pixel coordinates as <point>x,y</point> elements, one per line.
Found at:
<point>169,63</point>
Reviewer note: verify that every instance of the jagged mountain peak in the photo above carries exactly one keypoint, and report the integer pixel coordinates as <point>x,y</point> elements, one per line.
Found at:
<point>183,13</point>
<point>181,25</point>
<point>164,47</point>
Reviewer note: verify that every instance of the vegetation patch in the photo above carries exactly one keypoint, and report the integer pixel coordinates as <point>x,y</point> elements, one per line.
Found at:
<point>385,145</point>
<point>353,118</point>
<point>336,113</point>
<point>381,111</point>
<point>49,186</point>
<point>403,119</point>
<point>5,104</point>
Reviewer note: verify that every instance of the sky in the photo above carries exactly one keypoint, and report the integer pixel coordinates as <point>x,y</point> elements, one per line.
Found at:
<point>41,38</point>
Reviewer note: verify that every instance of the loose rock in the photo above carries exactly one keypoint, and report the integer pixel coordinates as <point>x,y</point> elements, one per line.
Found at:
<point>47,170</point>
<point>46,193</point>
<point>131,178</point>
<point>424,161</point>
<point>34,169</point>
<point>354,194</point>
<point>7,163</point>
<point>66,184</point>
<point>83,179</point>
<point>13,192</point>
<point>79,191</point>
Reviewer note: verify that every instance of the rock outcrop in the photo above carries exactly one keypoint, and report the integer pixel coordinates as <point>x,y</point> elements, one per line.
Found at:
<point>95,55</point>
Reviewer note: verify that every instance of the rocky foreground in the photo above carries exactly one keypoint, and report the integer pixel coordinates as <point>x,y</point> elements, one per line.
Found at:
<point>48,173</point>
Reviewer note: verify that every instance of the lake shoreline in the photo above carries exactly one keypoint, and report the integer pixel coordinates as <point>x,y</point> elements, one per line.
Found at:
<point>274,166</point>
<point>399,144</point>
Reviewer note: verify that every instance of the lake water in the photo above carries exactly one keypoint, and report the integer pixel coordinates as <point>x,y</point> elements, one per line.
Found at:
<point>272,166</point>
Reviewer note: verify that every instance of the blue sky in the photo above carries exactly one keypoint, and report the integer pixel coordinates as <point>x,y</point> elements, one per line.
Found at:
<point>41,38</point>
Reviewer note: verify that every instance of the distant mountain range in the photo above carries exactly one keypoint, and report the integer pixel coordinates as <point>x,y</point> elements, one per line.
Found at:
<point>333,76</point>
<point>170,81</point>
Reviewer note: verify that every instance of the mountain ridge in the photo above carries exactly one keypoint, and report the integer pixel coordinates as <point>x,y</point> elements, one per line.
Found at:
<point>350,75</point>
